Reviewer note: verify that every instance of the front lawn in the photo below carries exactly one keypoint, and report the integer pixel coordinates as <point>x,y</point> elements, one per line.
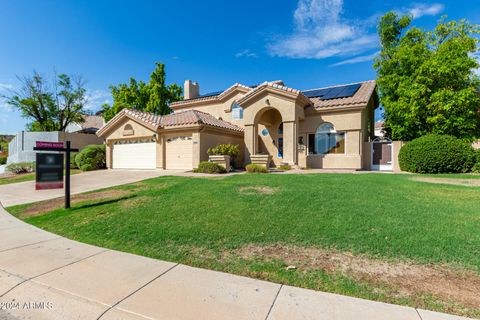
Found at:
<point>25,177</point>
<point>378,236</point>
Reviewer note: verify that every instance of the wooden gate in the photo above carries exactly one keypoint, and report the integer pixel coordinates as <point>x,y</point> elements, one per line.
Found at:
<point>382,155</point>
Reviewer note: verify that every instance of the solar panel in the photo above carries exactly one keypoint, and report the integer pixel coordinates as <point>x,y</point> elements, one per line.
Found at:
<point>315,93</point>
<point>210,94</point>
<point>333,93</point>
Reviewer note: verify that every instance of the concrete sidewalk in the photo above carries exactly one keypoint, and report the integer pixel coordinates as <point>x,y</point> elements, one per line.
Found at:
<point>44,276</point>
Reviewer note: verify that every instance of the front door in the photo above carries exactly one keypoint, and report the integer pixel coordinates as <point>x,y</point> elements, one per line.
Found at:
<point>382,155</point>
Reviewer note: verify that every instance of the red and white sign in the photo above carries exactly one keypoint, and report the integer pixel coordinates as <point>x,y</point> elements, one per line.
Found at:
<point>48,144</point>
<point>48,185</point>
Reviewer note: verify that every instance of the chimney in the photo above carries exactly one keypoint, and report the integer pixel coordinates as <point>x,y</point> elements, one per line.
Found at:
<point>191,90</point>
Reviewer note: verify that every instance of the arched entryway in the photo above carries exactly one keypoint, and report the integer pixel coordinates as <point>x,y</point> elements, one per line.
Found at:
<point>270,135</point>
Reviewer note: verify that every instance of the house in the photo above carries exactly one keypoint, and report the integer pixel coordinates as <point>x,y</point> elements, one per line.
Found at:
<point>318,128</point>
<point>379,129</point>
<point>91,124</point>
<point>20,148</point>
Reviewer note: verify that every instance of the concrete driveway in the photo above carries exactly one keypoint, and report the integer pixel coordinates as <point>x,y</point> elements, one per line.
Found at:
<point>24,192</point>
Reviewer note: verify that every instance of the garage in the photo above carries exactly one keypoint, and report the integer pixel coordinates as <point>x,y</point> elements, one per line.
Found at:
<point>134,154</point>
<point>178,152</point>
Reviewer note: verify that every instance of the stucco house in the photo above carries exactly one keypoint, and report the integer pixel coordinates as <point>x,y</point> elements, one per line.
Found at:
<point>317,128</point>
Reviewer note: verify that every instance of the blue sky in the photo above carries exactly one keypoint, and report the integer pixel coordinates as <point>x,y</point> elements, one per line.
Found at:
<point>306,43</point>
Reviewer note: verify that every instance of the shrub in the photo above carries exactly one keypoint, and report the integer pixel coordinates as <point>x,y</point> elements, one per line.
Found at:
<point>285,167</point>
<point>73,163</point>
<point>476,166</point>
<point>21,167</point>
<point>256,168</point>
<point>92,157</point>
<point>3,160</point>
<point>228,149</point>
<point>209,167</point>
<point>436,154</point>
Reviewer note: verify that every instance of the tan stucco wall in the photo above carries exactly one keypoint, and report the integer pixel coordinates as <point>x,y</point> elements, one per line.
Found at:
<point>289,110</point>
<point>352,122</point>
<point>211,138</point>
<point>139,131</point>
<point>79,140</point>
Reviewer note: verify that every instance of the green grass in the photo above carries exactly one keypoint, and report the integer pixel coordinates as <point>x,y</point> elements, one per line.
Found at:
<point>196,220</point>
<point>26,177</point>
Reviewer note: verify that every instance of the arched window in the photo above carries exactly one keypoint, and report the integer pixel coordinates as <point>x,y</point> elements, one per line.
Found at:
<point>326,140</point>
<point>237,111</point>
<point>128,130</point>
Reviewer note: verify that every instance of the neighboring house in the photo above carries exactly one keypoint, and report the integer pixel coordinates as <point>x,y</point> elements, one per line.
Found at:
<point>379,129</point>
<point>80,135</point>
<point>317,128</point>
<point>90,125</point>
<point>20,149</point>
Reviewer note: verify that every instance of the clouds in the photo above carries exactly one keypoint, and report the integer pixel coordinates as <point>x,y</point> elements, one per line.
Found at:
<point>95,99</point>
<point>246,53</point>
<point>419,10</point>
<point>364,58</point>
<point>321,30</point>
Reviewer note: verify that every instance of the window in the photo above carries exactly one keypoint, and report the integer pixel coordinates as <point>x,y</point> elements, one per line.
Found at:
<point>326,140</point>
<point>237,111</point>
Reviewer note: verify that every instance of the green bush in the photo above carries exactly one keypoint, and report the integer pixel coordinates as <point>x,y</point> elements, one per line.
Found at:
<point>476,166</point>
<point>21,167</point>
<point>209,167</point>
<point>228,149</point>
<point>436,154</point>
<point>92,157</point>
<point>73,163</point>
<point>3,160</point>
<point>256,168</point>
<point>285,167</point>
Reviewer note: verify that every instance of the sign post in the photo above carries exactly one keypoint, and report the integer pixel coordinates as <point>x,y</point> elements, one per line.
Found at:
<point>49,169</point>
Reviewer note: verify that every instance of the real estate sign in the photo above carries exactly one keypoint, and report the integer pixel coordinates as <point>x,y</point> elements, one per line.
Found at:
<point>49,171</point>
<point>49,166</point>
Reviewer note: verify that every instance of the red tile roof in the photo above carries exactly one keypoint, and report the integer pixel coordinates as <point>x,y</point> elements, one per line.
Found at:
<point>188,117</point>
<point>92,122</point>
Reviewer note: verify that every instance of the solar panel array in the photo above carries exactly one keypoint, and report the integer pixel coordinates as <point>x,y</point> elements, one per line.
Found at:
<point>210,94</point>
<point>333,93</point>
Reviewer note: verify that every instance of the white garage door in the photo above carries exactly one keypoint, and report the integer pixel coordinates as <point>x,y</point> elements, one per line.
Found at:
<point>134,155</point>
<point>179,152</point>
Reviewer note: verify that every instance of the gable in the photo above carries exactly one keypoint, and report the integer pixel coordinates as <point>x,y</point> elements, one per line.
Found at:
<point>127,128</point>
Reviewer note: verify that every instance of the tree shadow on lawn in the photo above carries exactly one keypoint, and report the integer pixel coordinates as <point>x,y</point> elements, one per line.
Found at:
<point>102,202</point>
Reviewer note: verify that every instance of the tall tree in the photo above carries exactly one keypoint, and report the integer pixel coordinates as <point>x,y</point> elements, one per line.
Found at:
<point>427,80</point>
<point>50,106</point>
<point>153,97</point>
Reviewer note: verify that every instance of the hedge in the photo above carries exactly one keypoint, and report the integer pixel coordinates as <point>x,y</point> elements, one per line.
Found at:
<point>476,166</point>
<point>209,167</point>
<point>3,160</point>
<point>91,157</point>
<point>256,168</point>
<point>436,154</point>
